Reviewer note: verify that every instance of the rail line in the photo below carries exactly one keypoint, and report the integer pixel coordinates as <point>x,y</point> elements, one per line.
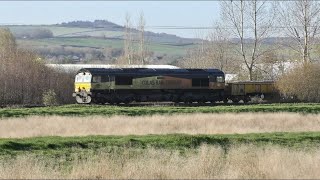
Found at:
<point>153,104</point>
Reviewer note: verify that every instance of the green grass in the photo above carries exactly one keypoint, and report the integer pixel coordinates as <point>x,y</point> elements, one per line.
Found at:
<point>67,145</point>
<point>88,110</point>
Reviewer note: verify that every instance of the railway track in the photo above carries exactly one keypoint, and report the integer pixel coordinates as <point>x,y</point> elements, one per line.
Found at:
<point>141,104</point>
<point>154,104</point>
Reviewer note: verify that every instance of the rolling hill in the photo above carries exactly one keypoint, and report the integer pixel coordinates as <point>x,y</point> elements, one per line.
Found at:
<point>99,41</point>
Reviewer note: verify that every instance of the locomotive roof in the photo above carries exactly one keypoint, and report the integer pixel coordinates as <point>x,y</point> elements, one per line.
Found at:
<point>137,71</point>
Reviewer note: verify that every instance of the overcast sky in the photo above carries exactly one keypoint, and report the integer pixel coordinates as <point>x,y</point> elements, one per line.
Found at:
<point>157,13</point>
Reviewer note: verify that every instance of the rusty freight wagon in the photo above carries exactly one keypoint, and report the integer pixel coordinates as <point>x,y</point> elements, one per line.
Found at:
<point>125,85</point>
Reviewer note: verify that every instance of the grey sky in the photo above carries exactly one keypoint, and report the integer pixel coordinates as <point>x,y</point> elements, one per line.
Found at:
<point>157,13</point>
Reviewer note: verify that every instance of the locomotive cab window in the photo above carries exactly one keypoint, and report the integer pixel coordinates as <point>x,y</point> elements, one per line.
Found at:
<point>220,79</point>
<point>123,80</point>
<point>200,82</point>
<point>83,77</point>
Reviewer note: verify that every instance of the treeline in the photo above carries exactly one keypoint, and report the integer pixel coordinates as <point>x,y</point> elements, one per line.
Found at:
<point>33,33</point>
<point>62,55</point>
<point>24,78</point>
<point>93,24</point>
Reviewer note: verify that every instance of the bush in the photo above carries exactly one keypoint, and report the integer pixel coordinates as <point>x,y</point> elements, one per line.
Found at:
<point>49,98</point>
<point>302,82</point>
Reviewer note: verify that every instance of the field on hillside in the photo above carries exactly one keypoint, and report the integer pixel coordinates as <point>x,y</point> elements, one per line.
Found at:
<point>101,43</point>
<point>164,142</point>
<point>92,37</point>
<point>70,31</point>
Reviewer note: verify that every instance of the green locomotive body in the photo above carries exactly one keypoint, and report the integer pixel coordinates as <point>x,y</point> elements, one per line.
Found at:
<point>102,85</point>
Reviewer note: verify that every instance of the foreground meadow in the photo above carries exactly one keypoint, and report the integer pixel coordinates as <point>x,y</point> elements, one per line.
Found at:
<point>227,123</point>
<point>108,142</point>
<point>244,162</point>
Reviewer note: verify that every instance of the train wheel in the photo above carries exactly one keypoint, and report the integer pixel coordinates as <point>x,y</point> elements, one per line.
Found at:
<point>79,100</point>
<point>87,100</point>
<point>84,100</point>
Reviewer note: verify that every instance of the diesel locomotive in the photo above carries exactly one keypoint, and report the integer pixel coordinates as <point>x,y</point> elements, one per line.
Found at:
<point>125,85</point>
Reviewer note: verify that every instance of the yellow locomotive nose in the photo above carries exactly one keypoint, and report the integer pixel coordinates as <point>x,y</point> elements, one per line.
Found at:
<point>82,86</point>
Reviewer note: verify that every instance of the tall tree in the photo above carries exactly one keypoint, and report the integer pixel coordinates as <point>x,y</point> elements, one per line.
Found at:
<point>218,47</point>
<point>7,55</point>
<point>141,28</point>
<point>251,22</point>
<point>128,49</point>
<point>301,20</point>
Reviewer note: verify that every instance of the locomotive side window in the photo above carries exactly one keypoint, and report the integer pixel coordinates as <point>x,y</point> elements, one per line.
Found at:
<point>200,82</point>
<point>104,79</point>
<point>96,79</point>
<point>123,80</point>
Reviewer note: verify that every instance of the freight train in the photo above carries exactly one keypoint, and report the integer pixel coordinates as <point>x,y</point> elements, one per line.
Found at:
<point>126,85</point>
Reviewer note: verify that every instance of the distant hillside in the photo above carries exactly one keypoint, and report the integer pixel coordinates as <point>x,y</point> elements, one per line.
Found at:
<point>104,25</point>
<point>99,41</point>
<point>107,25</point>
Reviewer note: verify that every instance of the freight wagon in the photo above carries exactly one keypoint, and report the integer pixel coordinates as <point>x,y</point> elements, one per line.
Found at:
<point>245,90</point>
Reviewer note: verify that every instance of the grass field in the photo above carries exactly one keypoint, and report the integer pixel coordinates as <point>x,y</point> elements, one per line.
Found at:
<point>59,31</point>
<point>225,123</point>
<point>101,43</point>
<point>88,110</point>
<point>64,146</point>
<point>163,142</point>
<point>240,162</point>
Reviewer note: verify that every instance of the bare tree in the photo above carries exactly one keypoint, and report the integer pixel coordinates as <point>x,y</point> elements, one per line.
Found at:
<point>141,28</point>
<point>128,45</point>
<point>24,76</point>
<point>213,51</point>
<point>218,48</point>
<point>302,21</point>
<point>251,22</point>
<point>196,58</point>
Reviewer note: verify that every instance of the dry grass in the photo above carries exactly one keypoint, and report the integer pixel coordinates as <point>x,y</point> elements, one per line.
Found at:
<point>209,162</point>
<point>158,124</point>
